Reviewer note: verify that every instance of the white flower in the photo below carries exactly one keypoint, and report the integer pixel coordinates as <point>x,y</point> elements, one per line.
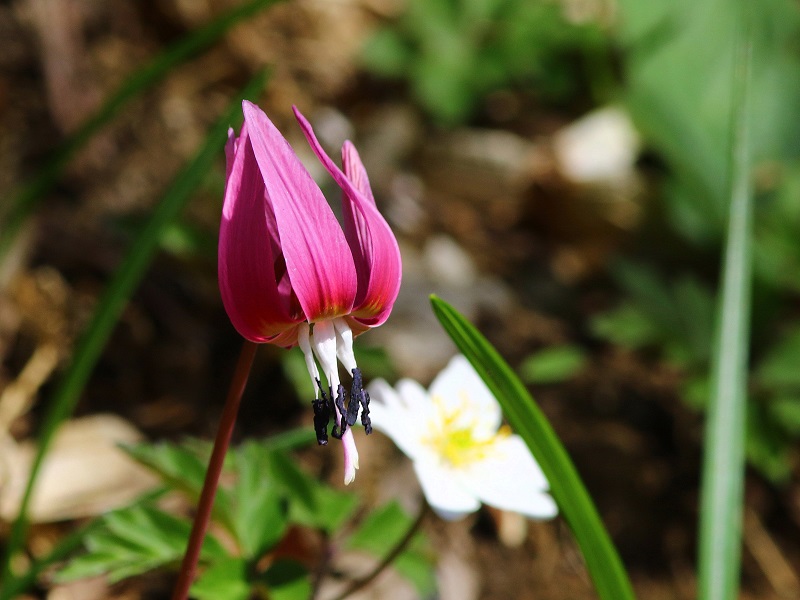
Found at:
<point>461,454</point>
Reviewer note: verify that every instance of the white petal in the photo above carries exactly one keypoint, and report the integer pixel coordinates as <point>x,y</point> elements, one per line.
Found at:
<point>412,394</point>
<point>443,492</point>
<point>390,416</point>
<point>459,382</point>
<point>510,479</point>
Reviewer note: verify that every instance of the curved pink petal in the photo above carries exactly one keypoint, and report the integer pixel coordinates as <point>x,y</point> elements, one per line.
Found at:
<point>319,262</point>
<point>374,246</point>
<point>247,278</point>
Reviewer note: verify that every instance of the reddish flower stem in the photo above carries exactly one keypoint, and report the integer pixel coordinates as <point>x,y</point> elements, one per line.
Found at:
<point>221,443</point>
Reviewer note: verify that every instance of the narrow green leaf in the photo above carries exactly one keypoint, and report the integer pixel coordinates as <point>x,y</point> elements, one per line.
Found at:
<point>15,210</point>
<point>527,419</point>
<point>113,301</point>
<point>722,487</point>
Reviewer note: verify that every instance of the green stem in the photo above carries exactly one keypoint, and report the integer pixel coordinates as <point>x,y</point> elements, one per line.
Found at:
<point>221,443</point>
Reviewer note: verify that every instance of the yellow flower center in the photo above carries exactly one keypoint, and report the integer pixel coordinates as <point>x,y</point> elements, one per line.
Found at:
<point>454,433</point>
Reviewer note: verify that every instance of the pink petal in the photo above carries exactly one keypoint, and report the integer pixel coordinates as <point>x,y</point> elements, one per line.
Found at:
<point>374,247</point>
<point>355,171</point>
<point>318,260</point>
<point>246,273</point>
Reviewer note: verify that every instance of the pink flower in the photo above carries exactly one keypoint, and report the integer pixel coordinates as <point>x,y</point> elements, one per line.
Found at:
<point>289,274</point>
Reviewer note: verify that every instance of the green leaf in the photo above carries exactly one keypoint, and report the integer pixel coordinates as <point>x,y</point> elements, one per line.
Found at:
<point>626,326</point>
<point>785,410</point>
<point>176,465</point>
<point>135,540</point>
<point>766,445</point>
<point>311,502</point>
<point>381,531</point>
<point>125,280</point>
<point>288,580</point>
<point>385,53</point>
<point>226,578</point>
<point>780,369</point>
<point>553,365</point>
<point>260,514</point>
<point>527,419</point>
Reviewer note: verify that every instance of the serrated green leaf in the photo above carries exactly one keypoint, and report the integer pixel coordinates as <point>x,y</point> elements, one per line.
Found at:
<point>301,487</point>
<point>780,367</point>
<point>135,540</point>
<point>225,579</point>
<point>261,509</point>
<point>381,529</point>
<point>335,508</point>
<point>288,580</point>
<point>311,502</point>
<point>553,365</point>
<point>527,419</point>
<point>176,465</point>
<point>785,410</point>
<point>183,467</point>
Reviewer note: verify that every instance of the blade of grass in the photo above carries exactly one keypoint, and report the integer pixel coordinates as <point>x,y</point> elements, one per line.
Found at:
<point>722,488</point>
<point>115,297</point>
<point>525,417</point>
<point>14,211</point>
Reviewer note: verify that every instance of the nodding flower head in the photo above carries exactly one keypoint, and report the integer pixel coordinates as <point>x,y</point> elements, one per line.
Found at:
<point>290,274</point>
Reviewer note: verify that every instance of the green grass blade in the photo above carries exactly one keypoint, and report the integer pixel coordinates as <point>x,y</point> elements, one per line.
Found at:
<point>525,417</point>
<point>15,210</point>
<point>115,297</point>
<point>722,488</point>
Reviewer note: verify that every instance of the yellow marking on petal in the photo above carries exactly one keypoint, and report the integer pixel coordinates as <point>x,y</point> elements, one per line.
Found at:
<point>452,433</point>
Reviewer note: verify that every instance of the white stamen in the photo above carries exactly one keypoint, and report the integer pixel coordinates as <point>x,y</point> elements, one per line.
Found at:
<point>328,340</point>
<point>323,341</point>
<point>303,335</point>
<point>344,344</point>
